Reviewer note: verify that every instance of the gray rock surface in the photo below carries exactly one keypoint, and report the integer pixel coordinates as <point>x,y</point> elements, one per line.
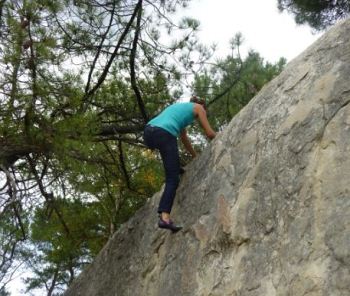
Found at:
<point>265,208</point>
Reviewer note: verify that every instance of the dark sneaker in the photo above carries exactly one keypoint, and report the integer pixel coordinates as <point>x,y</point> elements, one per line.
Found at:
<point>168,225</point>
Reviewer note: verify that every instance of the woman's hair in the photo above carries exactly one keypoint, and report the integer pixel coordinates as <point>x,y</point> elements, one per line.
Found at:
<point>195,99</point>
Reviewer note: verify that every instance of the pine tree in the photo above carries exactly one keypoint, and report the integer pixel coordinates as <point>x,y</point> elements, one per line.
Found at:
<point>319,14</point>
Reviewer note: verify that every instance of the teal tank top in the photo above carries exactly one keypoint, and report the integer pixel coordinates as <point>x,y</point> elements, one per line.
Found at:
<point>174,118</point>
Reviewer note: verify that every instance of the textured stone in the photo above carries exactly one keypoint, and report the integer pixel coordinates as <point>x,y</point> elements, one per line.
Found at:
<point>265,208</point>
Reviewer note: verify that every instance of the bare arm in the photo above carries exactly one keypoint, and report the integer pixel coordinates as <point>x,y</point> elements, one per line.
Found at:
<point>202,117</point>
<point>186,141</point>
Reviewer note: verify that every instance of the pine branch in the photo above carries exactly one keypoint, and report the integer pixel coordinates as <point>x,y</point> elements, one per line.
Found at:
<point>114,54</point>
<point>99,49</point>
<point>132,68</point>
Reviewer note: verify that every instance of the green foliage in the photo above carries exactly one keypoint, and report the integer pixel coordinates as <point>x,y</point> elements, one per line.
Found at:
<point>12,236</point>
<point>319,14</point>
<point>3,292</point>
<point>88,230</point>
<point>232,83</point>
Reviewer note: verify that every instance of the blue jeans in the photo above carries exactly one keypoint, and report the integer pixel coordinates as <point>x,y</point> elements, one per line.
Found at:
<point>166,143</point>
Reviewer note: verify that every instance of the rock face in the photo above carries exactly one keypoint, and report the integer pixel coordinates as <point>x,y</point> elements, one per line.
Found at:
<point>265,208</point>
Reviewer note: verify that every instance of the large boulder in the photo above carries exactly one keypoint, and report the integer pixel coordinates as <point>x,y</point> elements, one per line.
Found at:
<point>265,208</point>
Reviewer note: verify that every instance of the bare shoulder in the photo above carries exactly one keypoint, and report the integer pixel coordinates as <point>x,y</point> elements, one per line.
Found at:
<point>198,108</point>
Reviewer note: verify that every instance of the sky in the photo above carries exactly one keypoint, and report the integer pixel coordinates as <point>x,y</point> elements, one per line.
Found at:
<point>270,33</point>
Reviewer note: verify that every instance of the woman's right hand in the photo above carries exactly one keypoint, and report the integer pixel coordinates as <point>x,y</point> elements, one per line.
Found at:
<point>202,117</point>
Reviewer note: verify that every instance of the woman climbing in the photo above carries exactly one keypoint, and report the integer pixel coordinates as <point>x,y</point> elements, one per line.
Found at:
<point>161,133</point>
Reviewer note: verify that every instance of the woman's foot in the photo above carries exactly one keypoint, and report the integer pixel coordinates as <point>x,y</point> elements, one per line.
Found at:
<point>166,223</point>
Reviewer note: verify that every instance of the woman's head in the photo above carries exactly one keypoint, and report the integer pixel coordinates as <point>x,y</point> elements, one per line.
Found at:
<point>195,99</point>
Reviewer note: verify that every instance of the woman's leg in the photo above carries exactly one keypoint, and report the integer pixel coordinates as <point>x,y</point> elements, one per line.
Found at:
<point>148,136</point>
<point>171,162</point>
<point>167,145</point>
